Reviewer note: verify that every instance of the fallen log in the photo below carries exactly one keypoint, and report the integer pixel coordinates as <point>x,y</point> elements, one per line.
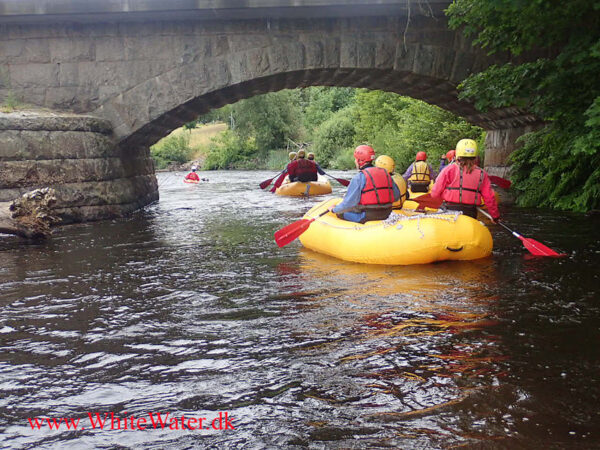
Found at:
<point>29,216</point>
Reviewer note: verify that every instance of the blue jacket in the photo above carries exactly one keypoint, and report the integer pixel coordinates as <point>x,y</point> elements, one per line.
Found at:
<point>352,198</point>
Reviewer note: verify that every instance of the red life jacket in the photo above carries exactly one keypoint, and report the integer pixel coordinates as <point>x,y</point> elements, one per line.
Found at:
<point>305,167</point>
<point>465,187</point>
<point>378,189</point>
<point>192,176</point>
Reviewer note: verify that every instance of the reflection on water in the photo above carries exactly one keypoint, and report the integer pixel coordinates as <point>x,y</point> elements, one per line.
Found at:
<point>190,308</point>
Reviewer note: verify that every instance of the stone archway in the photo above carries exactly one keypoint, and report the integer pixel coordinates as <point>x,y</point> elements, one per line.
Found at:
<point>145,78</point>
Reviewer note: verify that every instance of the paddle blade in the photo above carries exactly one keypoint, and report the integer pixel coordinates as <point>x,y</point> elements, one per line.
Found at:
<point>290,232</point>
<point>500,182</point>
<point>266,183</point>
<point>538,249</point>
<point>342,181</point>
<point>426,201</point>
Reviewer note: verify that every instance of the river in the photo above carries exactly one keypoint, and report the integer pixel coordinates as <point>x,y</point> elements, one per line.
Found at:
<point>189,308</point>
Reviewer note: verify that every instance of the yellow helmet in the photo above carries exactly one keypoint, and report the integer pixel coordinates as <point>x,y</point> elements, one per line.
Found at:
<point>292,156</point>
<point>386,163</point>
<point>466,148</point>
<point>311,156</point>
<point>301,153</point>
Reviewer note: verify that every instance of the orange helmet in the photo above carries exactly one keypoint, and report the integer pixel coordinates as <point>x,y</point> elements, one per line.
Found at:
<point>364,154</point>
<point>421,156</point>
<point>451,155</point>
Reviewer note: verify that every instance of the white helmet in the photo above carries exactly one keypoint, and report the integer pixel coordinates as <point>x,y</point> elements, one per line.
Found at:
<point>194,168</point>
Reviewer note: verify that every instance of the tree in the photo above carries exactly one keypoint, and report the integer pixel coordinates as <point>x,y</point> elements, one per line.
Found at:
<point>400,126</point>
<point>320,103</point>
<point>270,118</point>
<point>334,135</point>
<point>559,165</point>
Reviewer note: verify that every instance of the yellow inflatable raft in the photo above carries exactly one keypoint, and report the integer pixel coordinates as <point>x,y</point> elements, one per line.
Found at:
<point>404,238</point>
<point>299,189</point>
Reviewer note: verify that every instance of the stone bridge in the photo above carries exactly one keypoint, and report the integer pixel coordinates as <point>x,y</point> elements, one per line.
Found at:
<point>117,76</point>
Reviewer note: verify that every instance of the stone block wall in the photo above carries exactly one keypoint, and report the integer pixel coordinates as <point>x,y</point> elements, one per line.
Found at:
<point>77,156</point>
<point>500,143</point>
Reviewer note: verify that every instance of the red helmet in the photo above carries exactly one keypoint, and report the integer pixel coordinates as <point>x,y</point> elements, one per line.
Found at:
<point>421,156</point>
<point>451,155</point>
<point>364,154</point>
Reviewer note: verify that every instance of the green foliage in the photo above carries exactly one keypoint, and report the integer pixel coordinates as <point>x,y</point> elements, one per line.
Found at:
<point>271,118</point>
<point>230,151</point>
<point>320,103</point>
<point>335,134</point>
<point>216,115</point>
<point>557,165</point>
<point>11,102</point>
<point>517,26</point>
<point>172,149</point>
<point>343,160</point>
<point>376,110</point>
<point>190,125</point>
<point>257,125</point>
<point>277,159</point>
<point>338,119</point>
<point>400,127</point>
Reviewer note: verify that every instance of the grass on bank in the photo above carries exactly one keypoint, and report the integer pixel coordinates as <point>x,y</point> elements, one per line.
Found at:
<point>199,138</point>
<point>184,145</point>
<point>215,148</point>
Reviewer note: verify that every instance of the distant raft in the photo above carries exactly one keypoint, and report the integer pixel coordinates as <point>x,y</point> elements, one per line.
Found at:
<point>299,189</point>
<point>186,180</point>
<point>406,237</point>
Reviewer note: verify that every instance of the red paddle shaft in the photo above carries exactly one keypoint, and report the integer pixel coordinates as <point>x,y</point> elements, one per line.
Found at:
<point>290,232</point>
<point>266,183</point>
<point>535,248</point>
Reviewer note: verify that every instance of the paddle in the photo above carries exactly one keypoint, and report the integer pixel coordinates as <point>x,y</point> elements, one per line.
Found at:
<point>535,248</point>
<point>427,201</point>
<point>339,180</point>
<point>290,232</point>
<point>266,183</point>
<point>500,182</point>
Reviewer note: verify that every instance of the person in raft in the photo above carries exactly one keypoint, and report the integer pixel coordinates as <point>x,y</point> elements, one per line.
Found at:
<point>302,169</point>
<point>447,159</point>
<point>463,184</point>
<point>292,157</point>
<point>419,174</point>
<point>371,192</point>
<point>388,164</point>
<point>311,157</point>
<point>193,176</point>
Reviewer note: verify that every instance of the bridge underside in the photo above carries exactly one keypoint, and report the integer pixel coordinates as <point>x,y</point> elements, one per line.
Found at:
<point>434,91</point>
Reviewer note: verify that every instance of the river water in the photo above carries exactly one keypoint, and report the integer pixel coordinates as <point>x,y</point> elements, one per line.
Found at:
<point>189,308</point>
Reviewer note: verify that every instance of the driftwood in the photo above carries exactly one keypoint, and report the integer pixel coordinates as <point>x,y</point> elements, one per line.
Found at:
<point>29,216</point>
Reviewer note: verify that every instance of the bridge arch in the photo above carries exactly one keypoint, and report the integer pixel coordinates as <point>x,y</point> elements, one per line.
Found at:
<point>150,70</point>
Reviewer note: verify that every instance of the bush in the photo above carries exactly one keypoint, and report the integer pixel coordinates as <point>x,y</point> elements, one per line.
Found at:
<point>229,151</point>
<point>343,160</point>
<point>277,159</point>
<point>335,134</point>
<point>172,149</point>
